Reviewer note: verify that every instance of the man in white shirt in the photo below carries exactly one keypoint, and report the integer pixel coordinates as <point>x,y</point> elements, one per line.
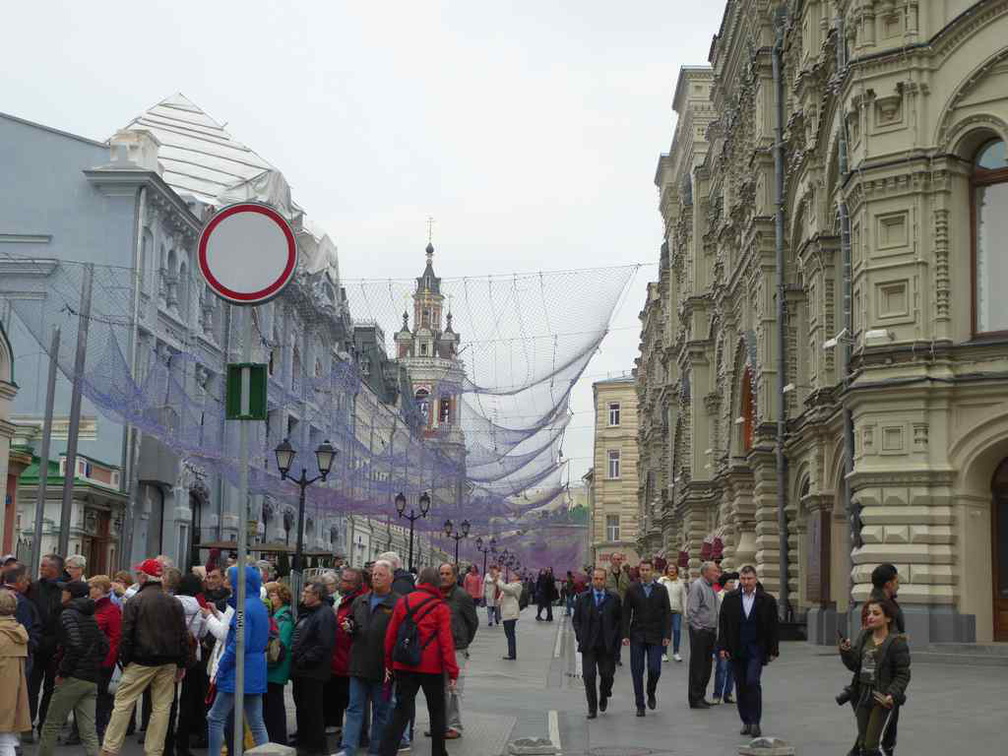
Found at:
<point>748,638</point>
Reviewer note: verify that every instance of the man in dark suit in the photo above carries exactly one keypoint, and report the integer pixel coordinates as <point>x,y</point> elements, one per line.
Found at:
<point>647,629</point>
<point>748,637</point>
<point>597,629</point>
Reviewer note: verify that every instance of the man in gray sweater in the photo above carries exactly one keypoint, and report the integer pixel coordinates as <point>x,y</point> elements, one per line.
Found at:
<point>702,617</point>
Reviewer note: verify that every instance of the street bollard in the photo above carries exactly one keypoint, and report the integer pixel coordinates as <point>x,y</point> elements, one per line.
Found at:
<point>766,747</point>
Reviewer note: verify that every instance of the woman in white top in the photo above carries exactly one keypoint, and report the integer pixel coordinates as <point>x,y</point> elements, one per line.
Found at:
<point>676,589</point>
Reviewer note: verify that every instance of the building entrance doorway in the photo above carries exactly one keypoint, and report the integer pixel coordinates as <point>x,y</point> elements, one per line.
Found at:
<point>999,549</point>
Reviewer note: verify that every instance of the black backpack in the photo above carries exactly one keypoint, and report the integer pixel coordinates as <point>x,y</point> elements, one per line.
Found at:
<point>408,650</point>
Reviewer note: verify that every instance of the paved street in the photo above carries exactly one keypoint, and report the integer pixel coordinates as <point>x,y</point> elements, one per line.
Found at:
<point>539,696</point>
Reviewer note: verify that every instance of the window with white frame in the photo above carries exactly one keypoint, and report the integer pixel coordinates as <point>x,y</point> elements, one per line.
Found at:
<point>614,414</point>
<point>612,527</point>
<point>614,464</point>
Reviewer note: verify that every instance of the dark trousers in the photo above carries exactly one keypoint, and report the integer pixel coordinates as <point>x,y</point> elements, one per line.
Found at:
<point>308,711</point>
<point>548,607</point>
<point>701,648</point>
<point>889,733</point>
<point>642,654</point>
<point>192,710</point>
<point>512,639</point>
<point>336,694</point>
<point>275,713</point>
<point>602,661</point>
<point>408,684</point>
<point>42,680</point>
<point>103,703</point>
<point>748,690</point>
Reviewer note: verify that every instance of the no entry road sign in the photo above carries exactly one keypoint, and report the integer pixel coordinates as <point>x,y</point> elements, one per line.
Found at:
<point>247,253</point>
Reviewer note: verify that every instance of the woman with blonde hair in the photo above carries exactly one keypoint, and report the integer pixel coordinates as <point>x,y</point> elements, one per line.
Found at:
<point>14,714</point>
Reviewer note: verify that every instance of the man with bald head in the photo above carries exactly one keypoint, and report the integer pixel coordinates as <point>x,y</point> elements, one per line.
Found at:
<point>597,623</point>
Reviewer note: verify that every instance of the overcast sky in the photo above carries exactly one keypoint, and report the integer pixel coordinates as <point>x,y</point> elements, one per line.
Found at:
<point>530,131</point>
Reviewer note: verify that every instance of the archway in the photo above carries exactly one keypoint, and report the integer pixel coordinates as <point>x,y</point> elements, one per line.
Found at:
<point>999,549</point>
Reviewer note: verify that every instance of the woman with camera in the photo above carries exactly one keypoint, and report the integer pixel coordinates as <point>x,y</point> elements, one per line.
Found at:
<point>880,661</point>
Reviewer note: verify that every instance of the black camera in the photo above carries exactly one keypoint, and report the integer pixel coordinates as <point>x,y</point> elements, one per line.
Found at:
<point>845,696</point>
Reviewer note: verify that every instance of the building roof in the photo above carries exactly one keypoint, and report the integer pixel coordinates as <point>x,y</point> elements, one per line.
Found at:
<point>621,379</point>
<point>429,282</point>
<point>199,157</point>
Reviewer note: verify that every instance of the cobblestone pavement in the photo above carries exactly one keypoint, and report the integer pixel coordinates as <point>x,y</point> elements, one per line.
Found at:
<point>951,709</point>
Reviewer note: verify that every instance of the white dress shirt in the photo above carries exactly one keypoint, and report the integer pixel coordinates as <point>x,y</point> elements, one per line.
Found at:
<point>748,601</point>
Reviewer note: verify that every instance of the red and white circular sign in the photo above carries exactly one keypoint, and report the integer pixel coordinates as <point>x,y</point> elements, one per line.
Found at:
<point>247,253</point>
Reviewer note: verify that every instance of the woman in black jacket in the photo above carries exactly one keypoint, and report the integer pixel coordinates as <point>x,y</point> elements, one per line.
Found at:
<point>880,661</point>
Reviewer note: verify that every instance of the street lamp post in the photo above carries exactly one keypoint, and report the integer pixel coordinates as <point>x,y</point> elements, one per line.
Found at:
<point>484,550</point>
<point>400,504</point>
<point>457,536</point>
<point>325,454</point>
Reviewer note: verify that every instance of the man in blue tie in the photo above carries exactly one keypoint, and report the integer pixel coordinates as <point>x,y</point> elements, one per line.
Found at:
<point>597,628</point>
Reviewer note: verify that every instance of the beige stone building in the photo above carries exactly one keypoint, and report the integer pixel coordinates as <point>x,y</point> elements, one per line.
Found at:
<point>613,520</point>
<point>862,337</point>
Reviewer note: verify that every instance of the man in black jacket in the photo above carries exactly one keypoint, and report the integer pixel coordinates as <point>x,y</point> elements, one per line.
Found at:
<point>464,624</point>
<point>83,647</point>
<point>366,625</point>
<point>46,595</point>
<point>153,650</point>
<point>647,629</point>
<point>748,637</point>
<point>597,628</point>
<point>311,665</point>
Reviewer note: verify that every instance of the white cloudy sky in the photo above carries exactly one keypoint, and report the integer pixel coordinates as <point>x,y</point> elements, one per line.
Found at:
<point>529,130</point>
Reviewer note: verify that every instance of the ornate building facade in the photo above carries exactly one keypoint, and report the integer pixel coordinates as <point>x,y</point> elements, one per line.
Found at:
<point>892,410</point>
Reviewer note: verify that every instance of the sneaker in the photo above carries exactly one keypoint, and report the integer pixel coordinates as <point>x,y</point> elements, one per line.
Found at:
<point>665,658</point>
<point>331,730</point>
<point>677,657</point>
<point>716,701</point>
<point>405,749</point>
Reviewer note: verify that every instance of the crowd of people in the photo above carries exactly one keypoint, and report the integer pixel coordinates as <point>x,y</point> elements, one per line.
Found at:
<point>733,632</point>
<point>94,660</point>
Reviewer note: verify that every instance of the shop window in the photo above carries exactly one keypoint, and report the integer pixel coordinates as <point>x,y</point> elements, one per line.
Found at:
<point>989,200</point>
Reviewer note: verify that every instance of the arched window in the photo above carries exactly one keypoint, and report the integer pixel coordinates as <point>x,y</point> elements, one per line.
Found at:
<point>423,404</point>
<point>989,201</point>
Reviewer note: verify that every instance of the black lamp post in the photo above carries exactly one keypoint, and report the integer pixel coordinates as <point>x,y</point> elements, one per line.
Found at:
<point>325,454</point>
<point>457,536</point>
<point>484,550</point>
<point>400,505</point>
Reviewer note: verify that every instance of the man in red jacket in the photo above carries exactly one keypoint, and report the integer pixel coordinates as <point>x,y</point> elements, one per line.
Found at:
<point>433,622</point>
<point>109,619</point>
<point>336,693</point>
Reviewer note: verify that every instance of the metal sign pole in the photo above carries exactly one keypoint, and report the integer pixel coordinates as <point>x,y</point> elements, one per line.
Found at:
<point>36,554</point>
<point>243,492</point>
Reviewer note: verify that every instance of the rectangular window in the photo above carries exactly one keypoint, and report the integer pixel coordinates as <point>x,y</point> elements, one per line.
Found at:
<point>614,460</point>
<point>612,527</point>
<point>614,413</point>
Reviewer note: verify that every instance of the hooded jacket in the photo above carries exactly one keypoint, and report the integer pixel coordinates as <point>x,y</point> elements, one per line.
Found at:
<point>256,637</point>
<point>15,714</point>
<point>280,674</point>
<point>403,582</point>
<point>433,629</point>
<point>153,629</point>
<point>109,619</point>
<point>83,647</point>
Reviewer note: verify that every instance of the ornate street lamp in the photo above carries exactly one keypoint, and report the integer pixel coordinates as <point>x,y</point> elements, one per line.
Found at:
<point>484,550</point>
<point>285,454</point>
<point>400,505</point>
<point>457,536</point>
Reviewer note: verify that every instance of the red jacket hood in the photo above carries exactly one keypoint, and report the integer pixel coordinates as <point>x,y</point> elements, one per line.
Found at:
<point>434,625</point>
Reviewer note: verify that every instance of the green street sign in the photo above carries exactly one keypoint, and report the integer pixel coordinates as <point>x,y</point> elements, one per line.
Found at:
<point>246,391</point>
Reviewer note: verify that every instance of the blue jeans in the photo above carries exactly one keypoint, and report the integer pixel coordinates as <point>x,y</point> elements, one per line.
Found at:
<point>218,715</point>
<point>676,631</point>
<point>651,654</point>
<point>512,642</point>
<point>493,613</point>
<point>360,691</point>
<point>724,677</point>
<point>570,606</point>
